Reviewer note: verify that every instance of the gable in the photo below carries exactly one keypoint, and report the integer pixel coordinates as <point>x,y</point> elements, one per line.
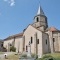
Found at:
<point>30,30</point>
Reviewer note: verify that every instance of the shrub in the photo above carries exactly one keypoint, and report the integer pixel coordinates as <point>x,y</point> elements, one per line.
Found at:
<point>34,56</point>
<point>47,57</point>
<point>12,48</point>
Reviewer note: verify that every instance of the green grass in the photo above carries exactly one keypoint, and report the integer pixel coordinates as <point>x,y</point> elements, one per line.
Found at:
<point>54,55</point>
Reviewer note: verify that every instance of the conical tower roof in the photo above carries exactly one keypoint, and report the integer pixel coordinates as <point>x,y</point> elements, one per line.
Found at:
<point>40,11</point>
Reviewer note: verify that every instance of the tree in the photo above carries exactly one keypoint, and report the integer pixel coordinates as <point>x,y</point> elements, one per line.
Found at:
<point>12,48</point>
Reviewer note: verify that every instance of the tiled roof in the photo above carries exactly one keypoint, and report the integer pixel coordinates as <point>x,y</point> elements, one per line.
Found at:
<point>52,29</point>
<point>14,36</point>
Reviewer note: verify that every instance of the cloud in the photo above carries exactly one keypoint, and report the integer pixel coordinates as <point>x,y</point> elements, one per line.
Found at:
<point>10,2</point>
<point>6,1</point>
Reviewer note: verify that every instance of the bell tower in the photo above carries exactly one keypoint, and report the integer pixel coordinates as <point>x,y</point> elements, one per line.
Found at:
<point>40,20</point>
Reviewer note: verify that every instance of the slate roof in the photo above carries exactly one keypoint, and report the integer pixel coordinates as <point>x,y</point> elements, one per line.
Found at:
<point>40,11</point>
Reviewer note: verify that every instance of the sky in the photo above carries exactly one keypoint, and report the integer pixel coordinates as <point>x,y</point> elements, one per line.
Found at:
<point>16,15</point>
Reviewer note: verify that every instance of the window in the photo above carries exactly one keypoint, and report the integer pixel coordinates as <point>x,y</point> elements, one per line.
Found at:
<point>37,19</point>
<point>31,40</point>
<point>46,42</point>
<point>37,41</point>
<point>53,39</point>
<point>1,45</point>
<point>26,48</point>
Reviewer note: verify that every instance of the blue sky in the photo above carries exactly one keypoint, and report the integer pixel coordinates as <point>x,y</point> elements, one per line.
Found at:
<point>15,15</point>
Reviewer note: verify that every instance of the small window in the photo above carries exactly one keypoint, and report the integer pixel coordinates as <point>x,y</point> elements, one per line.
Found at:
<point>26,48</point>
<point>37,19</point>
<point>53,39</point>
<point>46,42</point>
<point>1,45</point>
<point>31,40</point>
<point>37,41</point>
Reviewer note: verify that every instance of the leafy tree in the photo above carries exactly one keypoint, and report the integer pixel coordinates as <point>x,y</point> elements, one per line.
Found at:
<point>12,48</point>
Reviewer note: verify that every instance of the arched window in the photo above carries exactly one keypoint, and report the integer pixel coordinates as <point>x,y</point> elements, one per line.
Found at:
<point>31,40</point>
<point>37,19</point>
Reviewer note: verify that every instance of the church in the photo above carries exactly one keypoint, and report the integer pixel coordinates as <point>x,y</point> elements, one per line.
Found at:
<point>42,38</point>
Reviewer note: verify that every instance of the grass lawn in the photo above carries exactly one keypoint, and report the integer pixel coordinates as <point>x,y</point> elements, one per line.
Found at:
<point>12,57</point>
<point>54,55</point>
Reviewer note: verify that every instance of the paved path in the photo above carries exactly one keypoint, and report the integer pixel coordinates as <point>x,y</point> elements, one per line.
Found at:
<point>2,55</point>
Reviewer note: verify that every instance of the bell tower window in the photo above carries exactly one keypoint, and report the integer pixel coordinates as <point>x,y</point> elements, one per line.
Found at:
<point>37,19</point>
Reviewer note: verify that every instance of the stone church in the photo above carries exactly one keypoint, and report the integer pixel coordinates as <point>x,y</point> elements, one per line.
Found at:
<point>42,38</point>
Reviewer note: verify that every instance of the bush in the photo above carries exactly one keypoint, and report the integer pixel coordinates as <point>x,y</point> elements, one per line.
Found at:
<point>12,48</point>
<point>47,57</point>
<point>34,56</point>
